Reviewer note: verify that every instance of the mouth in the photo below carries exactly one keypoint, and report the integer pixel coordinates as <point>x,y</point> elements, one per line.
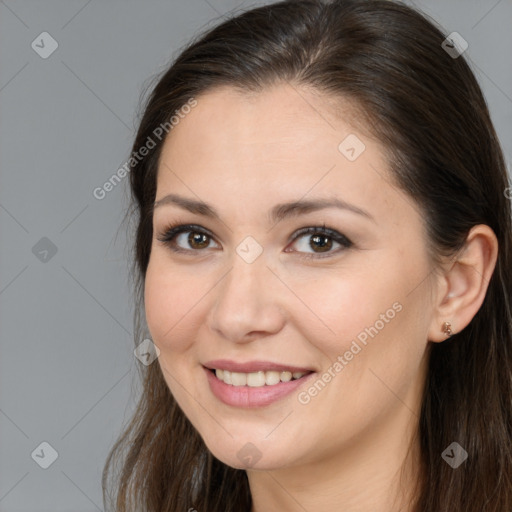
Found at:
<point>258,378</point>
<point>254,384</point>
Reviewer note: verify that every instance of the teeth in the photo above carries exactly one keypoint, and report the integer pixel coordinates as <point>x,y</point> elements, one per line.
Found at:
<point>257,379</point>
<point>286,376</point>
<point>272,378</point>
<point>238,379</point>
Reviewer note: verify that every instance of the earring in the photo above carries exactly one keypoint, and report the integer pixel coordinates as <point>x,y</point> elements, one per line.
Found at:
<point>447,328</point>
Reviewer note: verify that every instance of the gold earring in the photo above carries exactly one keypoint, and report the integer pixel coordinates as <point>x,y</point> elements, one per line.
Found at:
<point>447,328</point>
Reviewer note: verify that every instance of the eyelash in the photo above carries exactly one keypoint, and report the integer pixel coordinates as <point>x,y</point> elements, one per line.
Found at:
<point>171,231</point>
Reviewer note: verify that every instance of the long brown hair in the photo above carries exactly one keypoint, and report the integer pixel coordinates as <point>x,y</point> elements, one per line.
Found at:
<point>429,112</point>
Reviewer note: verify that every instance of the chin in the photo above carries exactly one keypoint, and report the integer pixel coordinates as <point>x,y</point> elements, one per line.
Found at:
<point>251,452</point>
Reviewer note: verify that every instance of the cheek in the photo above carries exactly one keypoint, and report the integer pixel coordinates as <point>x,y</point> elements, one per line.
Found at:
<point>340,307</point>
<point>374,317</point>
<point>169,307</point>
<point>381,326</point>
<point>171,304</point>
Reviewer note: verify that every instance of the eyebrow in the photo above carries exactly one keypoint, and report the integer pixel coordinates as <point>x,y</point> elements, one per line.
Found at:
<point>276,214</point>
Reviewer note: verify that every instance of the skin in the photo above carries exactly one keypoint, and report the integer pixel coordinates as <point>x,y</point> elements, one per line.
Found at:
<point>243,154</point>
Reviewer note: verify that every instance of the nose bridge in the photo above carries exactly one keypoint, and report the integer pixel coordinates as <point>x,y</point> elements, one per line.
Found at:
<point>246,300</point>
<point>248,271</point>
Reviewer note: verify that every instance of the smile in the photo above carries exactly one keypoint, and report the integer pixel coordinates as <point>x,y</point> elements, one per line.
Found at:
<point>258,388</point>
<point>256,379</point>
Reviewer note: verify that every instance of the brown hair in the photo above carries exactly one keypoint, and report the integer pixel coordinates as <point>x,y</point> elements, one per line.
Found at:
<point>429,112</point>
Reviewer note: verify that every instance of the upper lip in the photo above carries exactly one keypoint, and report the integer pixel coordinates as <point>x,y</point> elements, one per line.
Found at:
<point>253,366</point>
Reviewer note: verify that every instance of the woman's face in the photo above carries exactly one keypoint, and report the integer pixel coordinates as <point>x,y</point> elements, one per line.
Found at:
<point>248,292</point>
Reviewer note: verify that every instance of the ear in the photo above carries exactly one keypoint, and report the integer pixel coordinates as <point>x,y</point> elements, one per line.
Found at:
<point>463,283</point>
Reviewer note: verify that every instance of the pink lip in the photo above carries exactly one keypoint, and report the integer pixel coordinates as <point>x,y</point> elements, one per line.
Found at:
<point>252,366</point>
<point>248,397</point>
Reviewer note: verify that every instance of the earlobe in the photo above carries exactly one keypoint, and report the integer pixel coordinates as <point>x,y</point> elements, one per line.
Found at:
<point>447,329</point>
<point>465,284</point>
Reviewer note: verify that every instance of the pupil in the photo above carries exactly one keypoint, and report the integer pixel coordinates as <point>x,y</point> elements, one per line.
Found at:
<point>324,242</point>
<point>198,240</point>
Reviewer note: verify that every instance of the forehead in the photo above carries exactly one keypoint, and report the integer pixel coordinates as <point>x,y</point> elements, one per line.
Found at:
<point>246,150</point>
<point>266,132</point>
<point>280,118</point>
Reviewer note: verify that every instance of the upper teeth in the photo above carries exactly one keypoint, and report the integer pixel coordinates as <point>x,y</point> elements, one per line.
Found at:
<point>256,379</point>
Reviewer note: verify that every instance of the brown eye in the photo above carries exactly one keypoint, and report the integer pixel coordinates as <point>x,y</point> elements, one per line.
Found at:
<point>317,240</point>
<point>321,242</point>
<point>198,240</point>
<point>186,238</point>
<point>311,242</point>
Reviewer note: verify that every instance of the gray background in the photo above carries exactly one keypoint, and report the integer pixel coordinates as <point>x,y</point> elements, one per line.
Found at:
<point>67,369</point>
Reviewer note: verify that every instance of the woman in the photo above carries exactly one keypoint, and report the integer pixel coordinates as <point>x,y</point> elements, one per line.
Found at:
<point>323,253</point>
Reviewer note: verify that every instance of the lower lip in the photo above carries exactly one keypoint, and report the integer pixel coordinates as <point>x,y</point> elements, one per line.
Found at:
<point>247,396</point>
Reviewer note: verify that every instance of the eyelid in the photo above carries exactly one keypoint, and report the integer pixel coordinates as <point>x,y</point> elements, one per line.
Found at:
<point>168,236</point>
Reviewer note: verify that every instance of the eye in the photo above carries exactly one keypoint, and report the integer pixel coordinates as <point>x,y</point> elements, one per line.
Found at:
<point>187,238</point>
<point>321,240</point>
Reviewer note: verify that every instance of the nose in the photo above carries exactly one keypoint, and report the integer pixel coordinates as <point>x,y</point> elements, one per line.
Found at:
<point>248,302</point>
